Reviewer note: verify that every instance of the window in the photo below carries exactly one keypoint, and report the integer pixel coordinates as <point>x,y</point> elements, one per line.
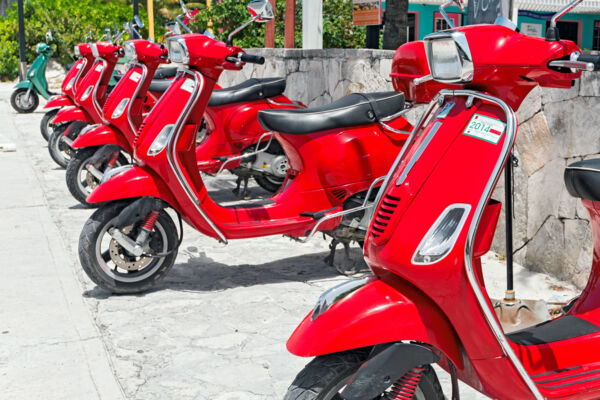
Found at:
<point>440,24</point>
<point>413,20</point>
<point>596,42</point>
<point>569,30</point>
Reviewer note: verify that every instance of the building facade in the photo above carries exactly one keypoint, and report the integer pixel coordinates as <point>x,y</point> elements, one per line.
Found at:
<point>581,26</point>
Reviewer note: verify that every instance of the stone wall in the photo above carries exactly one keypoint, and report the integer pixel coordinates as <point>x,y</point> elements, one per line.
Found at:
<point>317,77</point>
<point>557,127</point>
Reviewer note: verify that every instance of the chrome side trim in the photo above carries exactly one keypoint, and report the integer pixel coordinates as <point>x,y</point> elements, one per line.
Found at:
<point>78,75</point>
<point>364,206</point>
<point>293,103</point>
<point>172,153</point>
<point>418,152</point>
<point>95,92</point>
<point>511,131</point>
<point>255,152</point>
<point>336,293</point>
<point>137,90</point>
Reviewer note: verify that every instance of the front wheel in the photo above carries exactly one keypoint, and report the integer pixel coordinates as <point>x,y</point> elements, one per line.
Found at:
<point>45,128</point>
<point>24,100</point>
<point>326,376</point>
<point>60,151</point>
<point>82,180</point>
<point>111,267</point>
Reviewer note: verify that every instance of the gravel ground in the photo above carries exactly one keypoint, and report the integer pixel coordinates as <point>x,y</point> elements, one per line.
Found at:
<point>215,328</point>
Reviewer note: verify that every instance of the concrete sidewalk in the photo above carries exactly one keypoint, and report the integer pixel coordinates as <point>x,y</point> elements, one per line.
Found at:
<point>50,347</point>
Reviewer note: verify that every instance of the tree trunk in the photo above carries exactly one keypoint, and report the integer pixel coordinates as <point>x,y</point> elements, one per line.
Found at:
<point>396,22</point>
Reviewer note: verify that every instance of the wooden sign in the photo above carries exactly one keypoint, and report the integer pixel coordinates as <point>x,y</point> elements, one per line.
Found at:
<point>366,12</point>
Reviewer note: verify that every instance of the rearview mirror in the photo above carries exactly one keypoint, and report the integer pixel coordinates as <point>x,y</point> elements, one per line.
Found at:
<point>138,21</point>
<point>49,37</point>
<point>173,27</point>
<point>261,10</point>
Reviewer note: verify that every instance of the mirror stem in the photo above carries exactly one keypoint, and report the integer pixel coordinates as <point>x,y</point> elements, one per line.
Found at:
<point>239,28</point>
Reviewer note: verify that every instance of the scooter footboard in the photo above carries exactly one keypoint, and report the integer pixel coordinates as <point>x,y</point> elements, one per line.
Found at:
<point>131,181</point>
<point>59,101</point>
<point>374,313</point>
<point>100,135</point>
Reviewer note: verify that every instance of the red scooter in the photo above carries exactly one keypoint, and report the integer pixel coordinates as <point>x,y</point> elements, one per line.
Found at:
<point>85,59</point>
<point>426,301</point>
<point>229,130</point>
<point>337,155</point>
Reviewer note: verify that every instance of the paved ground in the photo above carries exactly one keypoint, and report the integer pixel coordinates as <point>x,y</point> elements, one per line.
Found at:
<point>214,329</point>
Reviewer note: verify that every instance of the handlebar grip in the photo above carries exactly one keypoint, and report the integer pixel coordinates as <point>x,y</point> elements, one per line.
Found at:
<point>250,58</point>
<point>591,57</point>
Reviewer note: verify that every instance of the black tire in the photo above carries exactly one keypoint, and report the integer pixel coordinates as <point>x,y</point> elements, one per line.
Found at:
<point>45,127</point>
<point>17,98</point>
<point>59,151</point>
<point>325,376</point>
<point>81,189</point>
<point>90,252</point>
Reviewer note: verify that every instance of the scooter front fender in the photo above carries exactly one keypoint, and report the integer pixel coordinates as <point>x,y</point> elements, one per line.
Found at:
<point>376,313</point>
<point>25,84</point>
<point>72,113</point>
<point>99,136</point>
<point>131,181</point>
<point>59,101</point>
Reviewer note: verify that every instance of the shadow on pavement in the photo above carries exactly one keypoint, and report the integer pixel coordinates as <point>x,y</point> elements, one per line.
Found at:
<point>200,273</point>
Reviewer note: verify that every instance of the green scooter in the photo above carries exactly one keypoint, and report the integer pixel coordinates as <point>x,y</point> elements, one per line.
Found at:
<point>25,98</point>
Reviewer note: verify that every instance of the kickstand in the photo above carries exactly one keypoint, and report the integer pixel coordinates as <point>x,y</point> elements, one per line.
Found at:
<point>346,266</point>
<point>240,191</point>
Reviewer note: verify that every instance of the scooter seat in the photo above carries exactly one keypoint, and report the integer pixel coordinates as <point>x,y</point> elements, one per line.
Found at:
<point>351,110</point>
<point>252,89</point>
<point>582,179</point>
<point>164,73</point>
<point>160,85</point>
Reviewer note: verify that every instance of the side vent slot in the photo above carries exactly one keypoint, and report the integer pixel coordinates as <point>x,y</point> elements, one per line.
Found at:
<point>383,215</point>
<point>339,193</point>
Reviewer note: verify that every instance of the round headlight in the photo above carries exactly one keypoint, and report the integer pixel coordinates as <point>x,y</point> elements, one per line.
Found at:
<point>38,48</point>
<point>178,52</point>
<point>129,50</point>
<point>76,51</point>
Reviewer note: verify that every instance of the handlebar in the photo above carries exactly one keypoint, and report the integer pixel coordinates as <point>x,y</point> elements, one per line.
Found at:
<point>586,61</point>
<point>247,58</point>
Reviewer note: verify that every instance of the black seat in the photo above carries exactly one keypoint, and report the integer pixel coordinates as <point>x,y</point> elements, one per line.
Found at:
<point>353,109</point>
<point>164,73</point>
<point>160,85</point>
<point>583,179</point>
<point>252,89</point>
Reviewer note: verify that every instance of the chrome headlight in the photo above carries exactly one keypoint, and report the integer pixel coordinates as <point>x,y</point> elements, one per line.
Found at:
<point>442,235</point>
<point>449,57</point>
<point>178,52</point>
<point>87,92</point>
<point>130,52</point>
<point>120,108</point>
<point>160,142</point>
<point>94,50</point>
<point>76,51</point>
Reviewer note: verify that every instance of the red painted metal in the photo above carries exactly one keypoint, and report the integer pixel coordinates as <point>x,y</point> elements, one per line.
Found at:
<point>59,102</point>
<point>100,136</point>
<point>319,162</point>
<point>72,113</point>
<point>456,168</point>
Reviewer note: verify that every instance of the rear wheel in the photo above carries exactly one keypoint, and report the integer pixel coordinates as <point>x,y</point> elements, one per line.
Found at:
<point>111,267</point>
<point>24,101</point>
<point>269,181</point>
<point>80,180</point>
<point>326,376</point>
<point>45,126</point>
<point>60,151</point>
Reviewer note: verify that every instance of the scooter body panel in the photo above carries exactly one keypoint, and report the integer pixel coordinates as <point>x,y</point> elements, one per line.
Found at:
<point>130,183</point>
<point>37,75</point>
<point>101,135</point>
<point>59,102</point>
<point>72,113</point>
<point>379,312</point>
<point>74,76</point>
<point>24,84</point>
